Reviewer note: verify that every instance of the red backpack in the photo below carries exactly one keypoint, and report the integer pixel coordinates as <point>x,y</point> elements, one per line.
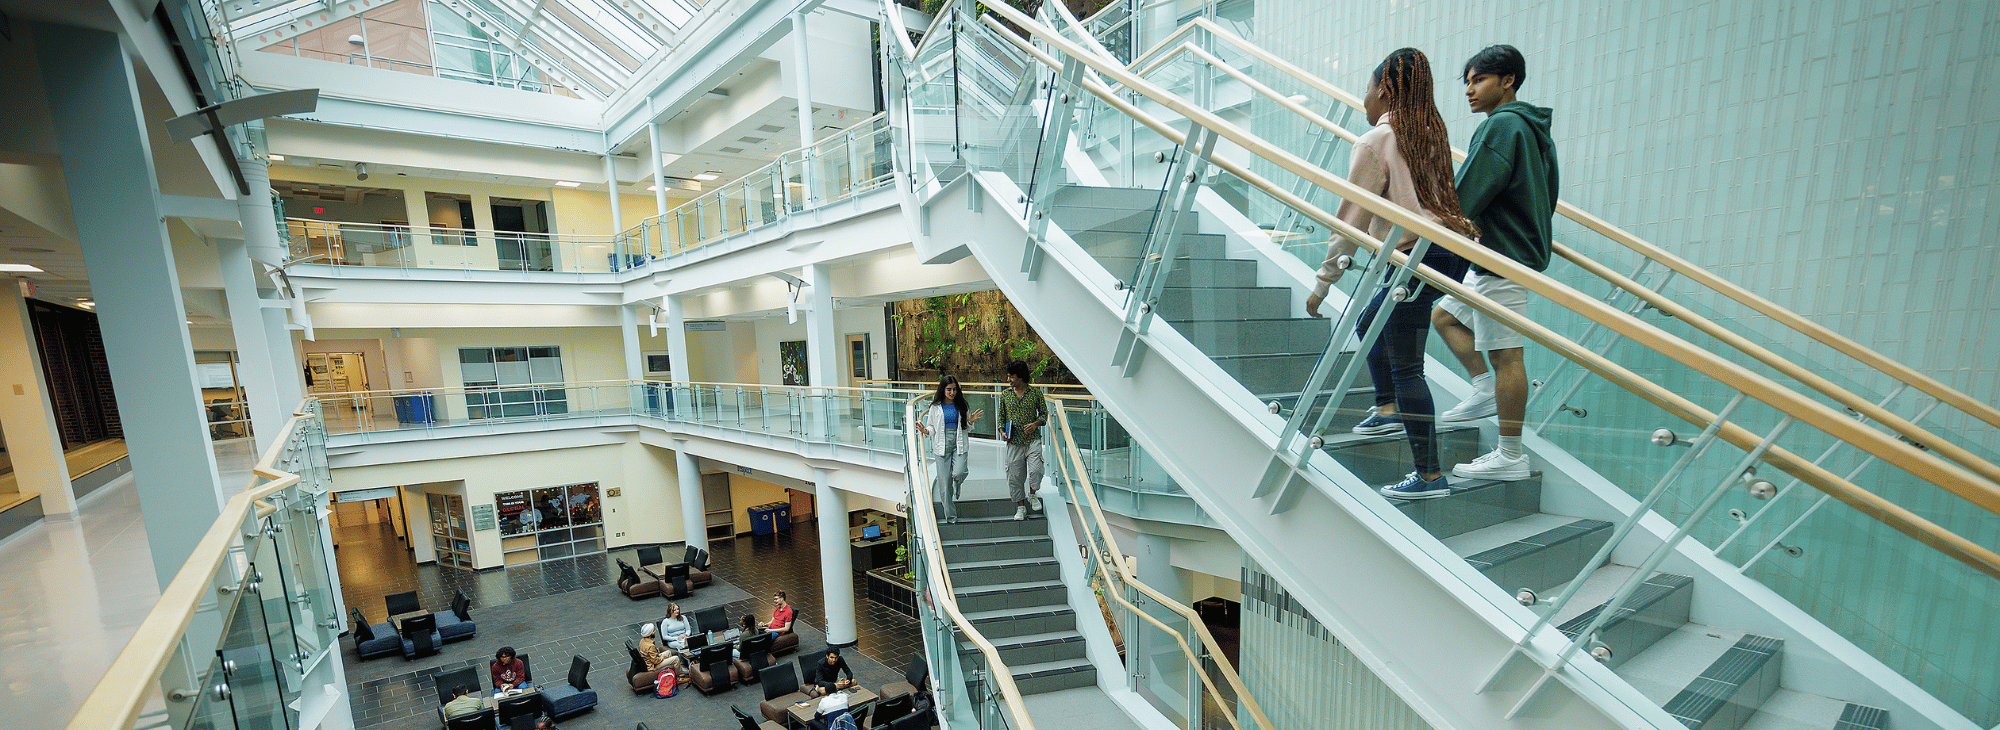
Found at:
<point>665,684</point>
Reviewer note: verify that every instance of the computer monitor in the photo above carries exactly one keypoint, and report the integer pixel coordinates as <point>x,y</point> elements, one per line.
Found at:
<point>871,532</point>
<point>649,555</point>
<point>402,603</point>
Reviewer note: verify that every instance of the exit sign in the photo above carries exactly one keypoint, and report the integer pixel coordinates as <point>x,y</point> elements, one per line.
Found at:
<point>319,211</point>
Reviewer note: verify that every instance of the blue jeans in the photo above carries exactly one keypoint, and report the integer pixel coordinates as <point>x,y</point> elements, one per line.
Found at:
<point>1396,361</point>
<point>952,469</point>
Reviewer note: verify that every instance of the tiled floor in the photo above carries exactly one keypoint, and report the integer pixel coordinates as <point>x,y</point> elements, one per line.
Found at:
<point>557,610</point>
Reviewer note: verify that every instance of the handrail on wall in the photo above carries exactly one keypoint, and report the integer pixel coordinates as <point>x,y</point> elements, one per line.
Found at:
<point>117,699</point>
<point>1915,461</point>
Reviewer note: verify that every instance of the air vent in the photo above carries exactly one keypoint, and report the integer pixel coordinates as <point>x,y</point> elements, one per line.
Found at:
<point>731,150</point>
<point>751,140</point>
<point>768,128</point>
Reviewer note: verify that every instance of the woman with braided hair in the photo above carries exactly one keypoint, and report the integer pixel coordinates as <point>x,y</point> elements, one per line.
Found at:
<point>1405,158</point>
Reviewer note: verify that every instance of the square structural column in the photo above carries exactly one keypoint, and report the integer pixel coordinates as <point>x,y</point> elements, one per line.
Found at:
<point>26,415</point>
<point>107,161</point>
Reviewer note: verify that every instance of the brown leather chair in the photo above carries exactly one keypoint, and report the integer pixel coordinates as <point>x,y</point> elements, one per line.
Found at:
<point>755,654</point>
<point>781,691</point>
<point>710,672</point>
<point>634,586</point>
<point>644,681</point>
<point>913,677</point>
<point>697,560</point>
<point>788,641</point>
<point>675,580</point>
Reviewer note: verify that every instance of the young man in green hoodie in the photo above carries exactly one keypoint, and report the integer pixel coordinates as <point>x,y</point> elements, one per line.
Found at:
<point>1508,187</point>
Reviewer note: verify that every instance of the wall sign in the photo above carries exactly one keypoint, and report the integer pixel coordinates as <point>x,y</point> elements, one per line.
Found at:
<point>482,517</point>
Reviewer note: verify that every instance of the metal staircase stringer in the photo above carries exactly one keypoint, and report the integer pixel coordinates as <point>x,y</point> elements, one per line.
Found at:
<point>1208,434</point>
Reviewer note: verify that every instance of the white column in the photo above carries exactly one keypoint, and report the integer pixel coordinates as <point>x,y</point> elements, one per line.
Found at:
<point>628,333</point>
<point>25,413</point>
<point>802,88</point>
<point>108,166</point>
<point>258,363</point>
<point>611,189</point>
<point>823,369</point>
<point>677,341</point>
<point>263,342</point>
<point>694,514</point>
<point>659,170</point>
<point>836,563</point>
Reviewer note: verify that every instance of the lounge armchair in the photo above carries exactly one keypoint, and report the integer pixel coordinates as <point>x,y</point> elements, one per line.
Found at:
<point>643,680</point>
<point>456,623</point>
<point>710,672</point>
<point>564,700</point>
<point>635,587</point>
<point>673,581</point>
<point>445,682</point>
<point>913,677</point>
<point>755,654</point>
<point>520,706</point>
<point>788,640</point>
<point>420,636</point>
<point>376,640</point>
<point>481,720</point>
<point>750,724</point>
<point>781,690</point>
<point>697,560</point>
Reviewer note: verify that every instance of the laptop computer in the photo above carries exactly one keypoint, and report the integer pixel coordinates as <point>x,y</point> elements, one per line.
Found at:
<point>871,532</point>
<point>697,640</point>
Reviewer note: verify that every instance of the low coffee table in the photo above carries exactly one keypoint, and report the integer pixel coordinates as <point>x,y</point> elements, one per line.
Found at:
<point>493,701</point>
<point>857,698</point>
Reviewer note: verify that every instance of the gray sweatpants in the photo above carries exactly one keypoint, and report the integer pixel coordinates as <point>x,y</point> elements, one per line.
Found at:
<point>1024,469</point>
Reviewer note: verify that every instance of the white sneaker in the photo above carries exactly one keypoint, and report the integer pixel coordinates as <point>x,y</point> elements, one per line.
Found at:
<point>1476,406</point>
<point>1494,465</point>
<point>1035,503</point>
<point>1020,513</point>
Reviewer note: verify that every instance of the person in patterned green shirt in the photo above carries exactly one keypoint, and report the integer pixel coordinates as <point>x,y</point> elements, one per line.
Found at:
<point>1023,413</point>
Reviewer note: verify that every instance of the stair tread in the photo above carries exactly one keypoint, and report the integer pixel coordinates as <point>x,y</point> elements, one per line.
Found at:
<point>1669,665</point>
<point>1008,587</point>
<point>1001,563</point>
<point>997,540</point>
<point>1595,591</point>
<point>1051,637</point>
<point>1053,609</point>
<point>1487,538</point>
<point>1345,438</point>
<point>1789,709</point>
<point>1656,586</point>
<point>1045,668</point>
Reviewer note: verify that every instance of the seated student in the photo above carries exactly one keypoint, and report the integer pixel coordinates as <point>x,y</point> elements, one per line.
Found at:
<point>781,614</point>
<point>545,724</point>
<point>508,670</point>
<point>745,629</point>
<point>832,714</point>
<point>649,650</point>
<point>463,702</point>
<point>674,629</point>
<point>825,675</point>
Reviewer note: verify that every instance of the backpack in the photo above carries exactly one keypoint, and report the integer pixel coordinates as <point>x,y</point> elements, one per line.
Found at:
<point>665,685</point>
<point>842,721</point>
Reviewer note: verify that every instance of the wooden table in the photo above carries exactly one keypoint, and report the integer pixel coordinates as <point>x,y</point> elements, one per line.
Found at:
<point>857,698</point>
<point>493,702</point>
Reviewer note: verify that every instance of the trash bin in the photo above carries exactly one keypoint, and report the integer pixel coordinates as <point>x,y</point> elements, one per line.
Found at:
<point>760,519</point>
<point>414,408</point>
<point>781,516</point>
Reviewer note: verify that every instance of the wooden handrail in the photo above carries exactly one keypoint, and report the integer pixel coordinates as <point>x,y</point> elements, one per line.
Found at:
<point>1081,483</point>
<point>119,696</point>
<point>1915,461</point>
<point>1820,333</point>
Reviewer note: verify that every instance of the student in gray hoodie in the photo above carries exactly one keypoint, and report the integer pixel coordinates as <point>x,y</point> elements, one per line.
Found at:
<point>1508,187</point>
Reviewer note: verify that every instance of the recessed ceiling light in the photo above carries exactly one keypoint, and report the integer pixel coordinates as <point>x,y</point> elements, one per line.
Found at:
<point>19,269</point>
<point>1297,98</point>
<point>706,176</point>
<point>567,184</point>
<point>277,158</point>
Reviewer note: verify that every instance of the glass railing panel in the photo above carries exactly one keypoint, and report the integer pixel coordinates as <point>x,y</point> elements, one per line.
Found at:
<point>212,708</point>
<point>249,654</point>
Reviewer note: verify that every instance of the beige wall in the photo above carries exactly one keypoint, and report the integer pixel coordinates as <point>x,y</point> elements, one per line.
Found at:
<point>589,211</point>
<point>646,511</point>
<point>588,353</point>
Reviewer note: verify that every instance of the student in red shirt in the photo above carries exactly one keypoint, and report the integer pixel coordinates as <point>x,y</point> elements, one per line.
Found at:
<point>508,670</point>
<point>781,617</point>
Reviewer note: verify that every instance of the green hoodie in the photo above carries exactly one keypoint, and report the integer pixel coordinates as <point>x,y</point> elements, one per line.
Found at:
<point>1507,185</point>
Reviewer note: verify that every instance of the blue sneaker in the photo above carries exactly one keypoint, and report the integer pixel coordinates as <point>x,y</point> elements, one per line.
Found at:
<point>1414,487</point>
<point>1377,424</point>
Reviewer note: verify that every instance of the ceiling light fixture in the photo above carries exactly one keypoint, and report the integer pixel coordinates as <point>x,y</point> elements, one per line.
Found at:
<point>19,269</point>
<point>707,176</point>
<point>567,184</point>
<point>277,158</point>
<point>360,170</point>
<point>1297,98</point>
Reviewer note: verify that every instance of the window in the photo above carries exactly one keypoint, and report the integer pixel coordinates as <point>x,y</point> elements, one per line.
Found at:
<point>501,382</point>
<point>550,523</point>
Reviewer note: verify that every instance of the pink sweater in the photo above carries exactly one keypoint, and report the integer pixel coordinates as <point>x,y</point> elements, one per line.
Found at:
<point>1377,167</point>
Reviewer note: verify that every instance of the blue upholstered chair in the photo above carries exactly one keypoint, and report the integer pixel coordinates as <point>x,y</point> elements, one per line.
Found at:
<point>420,636</point>
<point>456,624</point>
<point>373,641</point>
<point>564,700</point>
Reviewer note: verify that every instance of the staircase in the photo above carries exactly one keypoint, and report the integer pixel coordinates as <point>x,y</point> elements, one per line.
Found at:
<point>1005,577</point>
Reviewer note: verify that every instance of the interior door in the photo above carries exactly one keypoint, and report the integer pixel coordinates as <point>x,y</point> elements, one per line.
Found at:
<point>857,359</point>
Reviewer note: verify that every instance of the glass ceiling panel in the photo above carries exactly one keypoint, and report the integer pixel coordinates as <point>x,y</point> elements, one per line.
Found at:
<point>609,22</point>
<point>267,14</point>
<point>675,13</point>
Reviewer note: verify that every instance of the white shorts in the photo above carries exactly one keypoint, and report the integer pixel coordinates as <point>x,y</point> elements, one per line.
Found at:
<point>1487,332</point>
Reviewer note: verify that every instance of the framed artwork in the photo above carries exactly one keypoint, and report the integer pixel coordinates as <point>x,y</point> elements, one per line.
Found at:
<point>658,363</point>
<point>792,362</point>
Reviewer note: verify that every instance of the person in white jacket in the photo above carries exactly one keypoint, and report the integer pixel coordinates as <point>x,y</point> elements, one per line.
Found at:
<point>948,421</point>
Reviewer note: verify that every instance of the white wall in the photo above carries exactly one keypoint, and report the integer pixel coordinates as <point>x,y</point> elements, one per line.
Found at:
<point>772,330</point>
